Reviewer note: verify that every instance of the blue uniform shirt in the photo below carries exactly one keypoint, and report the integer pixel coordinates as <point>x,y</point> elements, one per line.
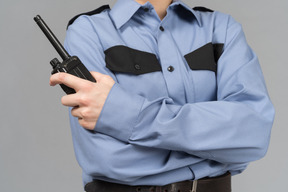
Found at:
<point>189,101</point>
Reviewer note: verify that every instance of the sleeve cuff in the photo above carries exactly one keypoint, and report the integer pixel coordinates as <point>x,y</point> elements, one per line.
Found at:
<point>119,114</point>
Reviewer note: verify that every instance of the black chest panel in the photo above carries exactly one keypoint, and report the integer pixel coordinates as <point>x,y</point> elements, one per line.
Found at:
<point>123,59</point>
<point>205,58</point>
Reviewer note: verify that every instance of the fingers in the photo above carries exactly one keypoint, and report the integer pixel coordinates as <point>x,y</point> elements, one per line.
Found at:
<point>76,112</point>
<point>89,98</point>
<point>101,78</point>
<point>67,79</point>
<point>77,83</point>
<point>85,119</point>
<point>89,125</point>
<point>70,100</point>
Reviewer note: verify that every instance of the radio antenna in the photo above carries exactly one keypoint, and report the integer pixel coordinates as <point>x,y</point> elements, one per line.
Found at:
<point>52,38</point>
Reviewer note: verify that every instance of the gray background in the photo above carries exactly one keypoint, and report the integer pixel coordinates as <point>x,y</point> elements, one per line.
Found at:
<point>36,152</point>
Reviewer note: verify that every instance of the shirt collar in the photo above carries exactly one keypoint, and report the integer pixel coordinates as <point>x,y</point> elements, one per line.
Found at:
<point>188,8</point>
<point>123,10</point>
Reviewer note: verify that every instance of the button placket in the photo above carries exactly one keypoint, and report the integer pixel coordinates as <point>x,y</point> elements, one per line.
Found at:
<point>170,57</point>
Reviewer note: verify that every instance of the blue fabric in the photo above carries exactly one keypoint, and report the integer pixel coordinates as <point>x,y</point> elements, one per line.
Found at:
<point>164,127</point>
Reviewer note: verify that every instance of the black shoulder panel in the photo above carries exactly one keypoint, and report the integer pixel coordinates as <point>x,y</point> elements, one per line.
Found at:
<point>203,9</point>
<point>96,11</point>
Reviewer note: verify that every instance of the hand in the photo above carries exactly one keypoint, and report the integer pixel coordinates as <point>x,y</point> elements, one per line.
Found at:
<point>89,98</point>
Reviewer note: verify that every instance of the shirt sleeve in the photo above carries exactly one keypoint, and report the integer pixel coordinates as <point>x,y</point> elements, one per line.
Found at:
<point>233,129</point>
<point>82,40</point>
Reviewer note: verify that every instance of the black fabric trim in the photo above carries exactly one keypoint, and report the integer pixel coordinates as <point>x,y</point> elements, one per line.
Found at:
<point>96,11</point>
<point>127,60</point>
<point>203,9</point>
<point>218,50</point>
<point>205,58</point>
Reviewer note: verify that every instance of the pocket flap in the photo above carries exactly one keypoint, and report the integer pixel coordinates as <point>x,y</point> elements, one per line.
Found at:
<point>205,58</point>
<point>127,60</point>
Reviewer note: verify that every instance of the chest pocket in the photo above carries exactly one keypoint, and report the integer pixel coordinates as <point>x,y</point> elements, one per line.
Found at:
<point>203,65</point>
<point>123,59</point>
<point>138,71</point>
<point>205,58</point>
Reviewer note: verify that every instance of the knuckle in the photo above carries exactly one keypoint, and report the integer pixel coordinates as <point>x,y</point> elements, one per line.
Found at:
<point>61,76</point>
<point>74,112</point>
<point>87,86</point>
<point>102,77</point>
<point>82,123</point>
<point>106,78</point>
<point>84,114</point>
<point>83,100</point>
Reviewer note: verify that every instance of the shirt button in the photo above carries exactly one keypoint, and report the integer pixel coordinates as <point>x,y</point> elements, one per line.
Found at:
<point>170,68</point>
<point>161,28</point>
<point>137,67</point>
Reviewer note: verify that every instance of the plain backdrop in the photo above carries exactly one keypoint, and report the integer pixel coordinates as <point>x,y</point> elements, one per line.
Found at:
<point>36,151</point>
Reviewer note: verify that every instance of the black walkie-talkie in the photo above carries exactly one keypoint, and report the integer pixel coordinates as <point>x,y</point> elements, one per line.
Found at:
<point>70,64</point>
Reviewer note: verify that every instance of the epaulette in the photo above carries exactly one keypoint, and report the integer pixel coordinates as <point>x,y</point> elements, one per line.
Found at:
<point>96,11</point>
<point>203,9</point>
